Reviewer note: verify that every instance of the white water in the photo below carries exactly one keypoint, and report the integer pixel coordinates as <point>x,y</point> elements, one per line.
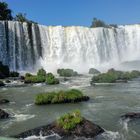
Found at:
<point>25,47</point>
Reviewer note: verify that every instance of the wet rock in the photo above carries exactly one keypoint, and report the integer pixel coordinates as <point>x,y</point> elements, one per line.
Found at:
<point>7,81</point>
<point>22,78</point>
<point>85,129</point>
<point>3,114</point>
<point>1,84</point>
<point>131,115</point>
<point>4,101</point>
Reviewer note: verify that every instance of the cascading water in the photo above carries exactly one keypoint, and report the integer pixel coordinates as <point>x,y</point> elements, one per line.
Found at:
<point>25,46</point>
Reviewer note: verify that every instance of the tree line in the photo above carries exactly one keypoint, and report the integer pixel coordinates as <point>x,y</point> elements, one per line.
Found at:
<point>6,14</point>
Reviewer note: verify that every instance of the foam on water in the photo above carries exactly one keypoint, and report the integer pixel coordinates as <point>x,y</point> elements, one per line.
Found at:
<point>124,123</point>
<point>49,137</point>
<point>110,135</point>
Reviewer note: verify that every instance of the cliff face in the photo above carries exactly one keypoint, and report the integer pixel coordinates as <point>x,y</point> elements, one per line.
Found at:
<point>26,46</point>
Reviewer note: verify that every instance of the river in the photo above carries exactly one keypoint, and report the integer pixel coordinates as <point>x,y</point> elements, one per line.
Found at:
<point>107,103</point>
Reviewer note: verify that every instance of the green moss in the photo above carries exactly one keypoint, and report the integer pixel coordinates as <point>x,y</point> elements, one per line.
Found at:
<point>58,97</point>
<point>70,120</point>
<point>67,72</point>
<point>51,80</point>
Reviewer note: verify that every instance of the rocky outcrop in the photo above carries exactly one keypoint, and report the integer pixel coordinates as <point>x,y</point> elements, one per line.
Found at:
<point>131,115</point>
<point>3,114</point>
<point>85,129</point>
<point>4,101</point>
<point>1,84</point>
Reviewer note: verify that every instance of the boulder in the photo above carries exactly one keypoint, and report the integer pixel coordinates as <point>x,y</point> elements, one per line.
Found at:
<point>85,129</point>
<point>7,81</point>
<point>94,71</point>
<point>3,114</point>
<point>3,101</point>
<point>131,115</point>
<point>1,84</point>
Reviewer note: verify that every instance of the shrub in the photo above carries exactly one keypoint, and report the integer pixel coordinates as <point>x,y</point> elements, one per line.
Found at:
<point>34,79</point>
<point>112,76</point>
<point>67,72</point>
<point>70,120</point>
<point>41,72</point>
<point>93,71</point>
<point>104,78</point>
<point>59,97</point>
<point>41,77</point>
<point>28,74</point>
<point>14,74</point>
<point>50,79</point>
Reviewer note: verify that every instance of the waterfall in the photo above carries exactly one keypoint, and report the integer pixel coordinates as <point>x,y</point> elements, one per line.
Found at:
<point>25,46</point>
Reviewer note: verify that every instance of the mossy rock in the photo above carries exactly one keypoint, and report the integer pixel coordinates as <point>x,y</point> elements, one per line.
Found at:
<point>68,126</point>
<point>67,72</point>
<point>41,72</point>
<point>69,96</point>
<point>34,79</point>
<point>113,76</point>
<point>51,80</point>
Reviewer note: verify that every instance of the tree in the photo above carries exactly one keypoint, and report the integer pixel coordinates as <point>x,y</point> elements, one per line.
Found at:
<point>21,17</point>
<point>98,23</point>
<point>5,12</point>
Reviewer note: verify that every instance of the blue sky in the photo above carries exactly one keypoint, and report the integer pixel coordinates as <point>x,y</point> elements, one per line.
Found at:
<point>78,12</point>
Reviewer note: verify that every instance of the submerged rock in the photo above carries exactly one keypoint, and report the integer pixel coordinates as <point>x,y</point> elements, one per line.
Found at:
<point>85,129</point>
<point>1,84</point>
<point>3,114</point>
<point>3,101</point>
<point>131,115</point>
<point>7,81</point>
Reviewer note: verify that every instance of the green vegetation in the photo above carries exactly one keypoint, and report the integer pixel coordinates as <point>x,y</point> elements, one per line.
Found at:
<point>67,72</point>
<point>51,80</point>
<point>68,96</point>
<point>14,74</point>
<point>41,77</point>
<point>5,12</point>
<point>70,120</point>
<point>21,17</point>
<point>41,72</point>
<point>34,79</point>
<point>93,71</point>
<point>99,23</point>
<point>113,76</point>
